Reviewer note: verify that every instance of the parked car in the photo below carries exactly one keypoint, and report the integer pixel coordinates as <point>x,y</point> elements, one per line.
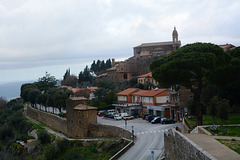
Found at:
<point>111,111</point>
<point>123,114</point>
<point>102,113</point>
<point>166,121</point>
<point>150,118</point>
<point>128,117</point>
<point>156,120</point>
<point>117,117</point>
<point>108,115</point>
<point>144,116</point>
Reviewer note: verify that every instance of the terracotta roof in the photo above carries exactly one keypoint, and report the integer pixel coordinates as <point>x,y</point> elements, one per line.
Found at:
<point>84,107</point>
<point>227,46</point>
<point>156,44</point>
<point>152,93</point>
<point>145,75</point>
<point>93,88</point>
<point>139,93</point>
<point>77,89</point>
<point>78,98</point>
<point>128,91</point>
<point>68,87</point>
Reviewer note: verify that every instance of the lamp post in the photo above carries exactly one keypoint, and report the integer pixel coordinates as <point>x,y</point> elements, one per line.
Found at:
<point>133,134</point>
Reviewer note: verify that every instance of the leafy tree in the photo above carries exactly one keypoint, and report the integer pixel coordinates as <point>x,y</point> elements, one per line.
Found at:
<point>235,52</point>
<point>108,64</point>
<point>46,82</point>
<point>223,110</point>
<point>50,152</point>
<point>25,89</point>
<point>133,81</point>
<point>102,65</point>
<point>67,74</point>
<point>3,102</point>
<point>42,99</point>
<point>93,66</point>
<point>71,80</point>
<point>50,101</point>
<point>44,137</point>
<point>213,108</point>
<point>32,96</point>
<point>98,65</point>
<point>60,96</point>
<point>188,66</point>
<point>227,79</point>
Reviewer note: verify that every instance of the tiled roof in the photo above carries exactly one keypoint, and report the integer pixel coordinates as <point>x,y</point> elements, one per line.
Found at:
<point>139,93</point>
<point>145,75</point>
<point>77,98</point>
<point>151,93</point>
<point>128,91</point>
<point>156,44</point>
<point>84,107</point>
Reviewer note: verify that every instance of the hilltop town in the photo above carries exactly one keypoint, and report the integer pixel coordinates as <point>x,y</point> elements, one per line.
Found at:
<point>166,101</point>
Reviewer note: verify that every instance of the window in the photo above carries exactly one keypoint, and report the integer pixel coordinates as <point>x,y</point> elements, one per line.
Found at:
<point>122,98</point>
<point>125,76</point>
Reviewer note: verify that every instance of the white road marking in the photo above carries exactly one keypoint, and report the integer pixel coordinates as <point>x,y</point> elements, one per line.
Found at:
<point>154,131</point>
<point>150,131</point>
<point>146,131</point>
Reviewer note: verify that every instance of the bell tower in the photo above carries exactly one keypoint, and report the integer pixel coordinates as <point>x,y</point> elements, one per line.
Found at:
<point>175,38</point>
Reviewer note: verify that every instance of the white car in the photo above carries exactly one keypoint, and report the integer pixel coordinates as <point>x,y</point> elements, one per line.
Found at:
<point>117,117</point>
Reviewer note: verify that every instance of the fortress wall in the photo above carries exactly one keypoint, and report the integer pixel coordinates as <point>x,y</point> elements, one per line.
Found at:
<point>108,131</point>
<point>51,120</point>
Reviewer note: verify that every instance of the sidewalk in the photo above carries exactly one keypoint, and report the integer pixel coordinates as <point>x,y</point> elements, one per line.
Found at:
<point>213,147</point>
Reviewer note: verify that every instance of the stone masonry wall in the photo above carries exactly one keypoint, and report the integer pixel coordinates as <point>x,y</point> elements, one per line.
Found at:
<point>108,131</point>
<point>179,147</point>
<point>51,120</point>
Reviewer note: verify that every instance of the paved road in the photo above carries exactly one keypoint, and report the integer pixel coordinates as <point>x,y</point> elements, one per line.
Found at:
<point>149,138</point>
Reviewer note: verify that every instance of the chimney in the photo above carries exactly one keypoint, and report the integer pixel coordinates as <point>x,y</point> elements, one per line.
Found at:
<point>113,62</point>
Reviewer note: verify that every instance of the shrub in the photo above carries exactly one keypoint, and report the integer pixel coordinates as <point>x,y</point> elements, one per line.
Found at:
<point>50,152</point>
<point>44,137</point>
<point>62,145</point>
<point>6,133</point>
<point>73,156</point>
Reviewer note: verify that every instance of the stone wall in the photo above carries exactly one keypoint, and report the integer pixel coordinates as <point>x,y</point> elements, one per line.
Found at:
<point>49,119</point>
<point>177,146</point>
<point>108,131</point>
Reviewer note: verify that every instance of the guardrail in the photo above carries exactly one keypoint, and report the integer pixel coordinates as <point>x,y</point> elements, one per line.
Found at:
<point>123,150</point>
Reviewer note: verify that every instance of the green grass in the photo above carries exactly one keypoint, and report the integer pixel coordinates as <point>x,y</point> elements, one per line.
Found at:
<point>231,131</point>
<point>207,120</point>
<point>36,126</point>
<point>232,144</point>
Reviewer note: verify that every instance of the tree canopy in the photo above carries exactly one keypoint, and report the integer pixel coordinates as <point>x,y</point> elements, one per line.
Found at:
<point>188,66</point>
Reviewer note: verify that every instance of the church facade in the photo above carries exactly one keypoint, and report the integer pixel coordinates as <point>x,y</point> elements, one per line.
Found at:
<point>157,49</point>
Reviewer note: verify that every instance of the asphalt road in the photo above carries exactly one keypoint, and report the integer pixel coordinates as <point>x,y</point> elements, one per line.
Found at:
<point>150,138</point>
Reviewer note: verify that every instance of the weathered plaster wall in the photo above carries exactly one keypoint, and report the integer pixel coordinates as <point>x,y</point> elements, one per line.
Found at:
<point>179,147</point>
<point>51,120</point>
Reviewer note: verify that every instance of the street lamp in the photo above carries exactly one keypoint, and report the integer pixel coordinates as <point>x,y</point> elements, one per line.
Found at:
<point>133,134</point>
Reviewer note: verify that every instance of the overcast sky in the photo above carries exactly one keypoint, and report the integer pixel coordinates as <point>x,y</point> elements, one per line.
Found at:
<point>52,35</point>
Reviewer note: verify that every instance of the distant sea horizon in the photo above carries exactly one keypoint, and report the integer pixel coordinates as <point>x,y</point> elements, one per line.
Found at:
<point>11,90</point>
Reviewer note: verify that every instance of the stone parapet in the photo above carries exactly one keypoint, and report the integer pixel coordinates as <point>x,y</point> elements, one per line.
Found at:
<point>178,146</point>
